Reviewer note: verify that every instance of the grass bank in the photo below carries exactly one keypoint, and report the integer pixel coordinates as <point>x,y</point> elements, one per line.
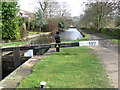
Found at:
<point>16,43</point>
<point>109,38</point>
<point>73,67</point>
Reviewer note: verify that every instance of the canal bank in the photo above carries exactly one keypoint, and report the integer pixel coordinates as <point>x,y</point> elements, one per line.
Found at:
<point>8,58</point>
<point>13,79</point>
<point>43,38</point>
<point>73,67</point>
<point>27,39</point>
<point>108,59</point>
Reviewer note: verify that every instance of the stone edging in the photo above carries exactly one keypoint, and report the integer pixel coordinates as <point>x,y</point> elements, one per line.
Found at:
<point>13,79</point>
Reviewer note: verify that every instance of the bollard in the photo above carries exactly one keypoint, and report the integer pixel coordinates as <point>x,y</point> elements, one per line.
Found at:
<point>57,48</point>
<point>42,84</point>
<point>57,38</point>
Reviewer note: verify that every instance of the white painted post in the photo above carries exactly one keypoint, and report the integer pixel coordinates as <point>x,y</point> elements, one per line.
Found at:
<point>42,84</point>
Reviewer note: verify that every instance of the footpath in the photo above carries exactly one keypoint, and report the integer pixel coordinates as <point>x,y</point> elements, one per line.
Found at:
<point>108,54</point>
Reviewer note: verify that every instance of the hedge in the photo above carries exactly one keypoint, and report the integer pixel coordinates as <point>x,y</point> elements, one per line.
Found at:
<point>115,32</point>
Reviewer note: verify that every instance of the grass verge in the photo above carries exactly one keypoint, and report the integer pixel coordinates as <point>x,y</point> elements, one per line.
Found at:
<point>32,33</point>
<point>74,67</point>
<point>14,43</point>
<point>109,38</point>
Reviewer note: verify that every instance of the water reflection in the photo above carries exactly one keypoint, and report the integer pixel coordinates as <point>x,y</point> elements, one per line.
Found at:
<point>71,34</point>
<point>42,39</point>
<point>29,53</point>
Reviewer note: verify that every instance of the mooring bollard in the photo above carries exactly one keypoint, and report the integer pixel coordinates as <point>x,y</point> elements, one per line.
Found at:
<point>57,38</point>
<point>57,48</point>
<point>42,84</point>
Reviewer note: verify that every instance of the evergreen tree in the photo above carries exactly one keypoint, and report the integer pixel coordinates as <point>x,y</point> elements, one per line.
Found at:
<point>10,29</point>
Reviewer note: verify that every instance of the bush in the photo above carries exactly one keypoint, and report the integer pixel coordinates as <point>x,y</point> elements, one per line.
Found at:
<point>115,32</point>
<point>32,25</point>
<point>51,26</point>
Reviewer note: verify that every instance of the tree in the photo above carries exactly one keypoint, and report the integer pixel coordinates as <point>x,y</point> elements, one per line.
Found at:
<point>98,13</point>
<point>63,10</point>
<point>43,6</point>
<point>10,21</point>
<point>52,8</point>
<point>117,15</point>
<point>61,22</point>
<point>40,20</point>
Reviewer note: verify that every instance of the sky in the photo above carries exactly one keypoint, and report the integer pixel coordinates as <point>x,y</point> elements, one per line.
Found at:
<point>76,6</point>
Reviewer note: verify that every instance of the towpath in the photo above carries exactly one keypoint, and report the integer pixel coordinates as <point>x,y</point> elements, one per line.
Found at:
<point>108,54</point>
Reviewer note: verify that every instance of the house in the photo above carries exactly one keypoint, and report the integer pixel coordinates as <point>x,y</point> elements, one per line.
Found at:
<point>28,17</point>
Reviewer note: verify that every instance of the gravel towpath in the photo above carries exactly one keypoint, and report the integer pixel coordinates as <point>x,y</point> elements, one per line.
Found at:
<point>108,54</point>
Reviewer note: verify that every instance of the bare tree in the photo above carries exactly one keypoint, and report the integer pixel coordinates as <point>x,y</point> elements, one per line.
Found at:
<point>64,9</point>
<point>97,13</point>
<point>51,8</point>
<point>43,5</point>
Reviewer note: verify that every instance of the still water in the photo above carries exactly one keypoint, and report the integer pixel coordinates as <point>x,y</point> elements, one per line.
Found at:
<point>70,34</point>
<point>42,39</point>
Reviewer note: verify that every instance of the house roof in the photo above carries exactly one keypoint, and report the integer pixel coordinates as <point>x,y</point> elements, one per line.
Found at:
<point>23,13</point>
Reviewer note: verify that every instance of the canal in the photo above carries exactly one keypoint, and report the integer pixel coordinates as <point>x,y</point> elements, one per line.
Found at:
<point>71,34</point>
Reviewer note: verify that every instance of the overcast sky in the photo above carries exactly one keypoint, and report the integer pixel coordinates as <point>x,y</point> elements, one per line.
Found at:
<point>76,6</point>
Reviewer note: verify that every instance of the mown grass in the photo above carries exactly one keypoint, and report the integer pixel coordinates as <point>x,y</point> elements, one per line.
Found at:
<point>73,67</point>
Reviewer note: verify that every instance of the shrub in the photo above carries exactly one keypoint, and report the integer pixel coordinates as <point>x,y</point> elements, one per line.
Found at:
<point>115,32</point>
<point>32,25</point>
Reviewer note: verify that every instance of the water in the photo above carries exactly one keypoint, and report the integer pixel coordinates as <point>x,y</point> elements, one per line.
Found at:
<point>42,39</point>
<point>71,34</point>
<point>29,53</point>
<point>8,66</point>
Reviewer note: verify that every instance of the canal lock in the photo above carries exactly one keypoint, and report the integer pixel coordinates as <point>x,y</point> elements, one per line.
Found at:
<point>8,57</point>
